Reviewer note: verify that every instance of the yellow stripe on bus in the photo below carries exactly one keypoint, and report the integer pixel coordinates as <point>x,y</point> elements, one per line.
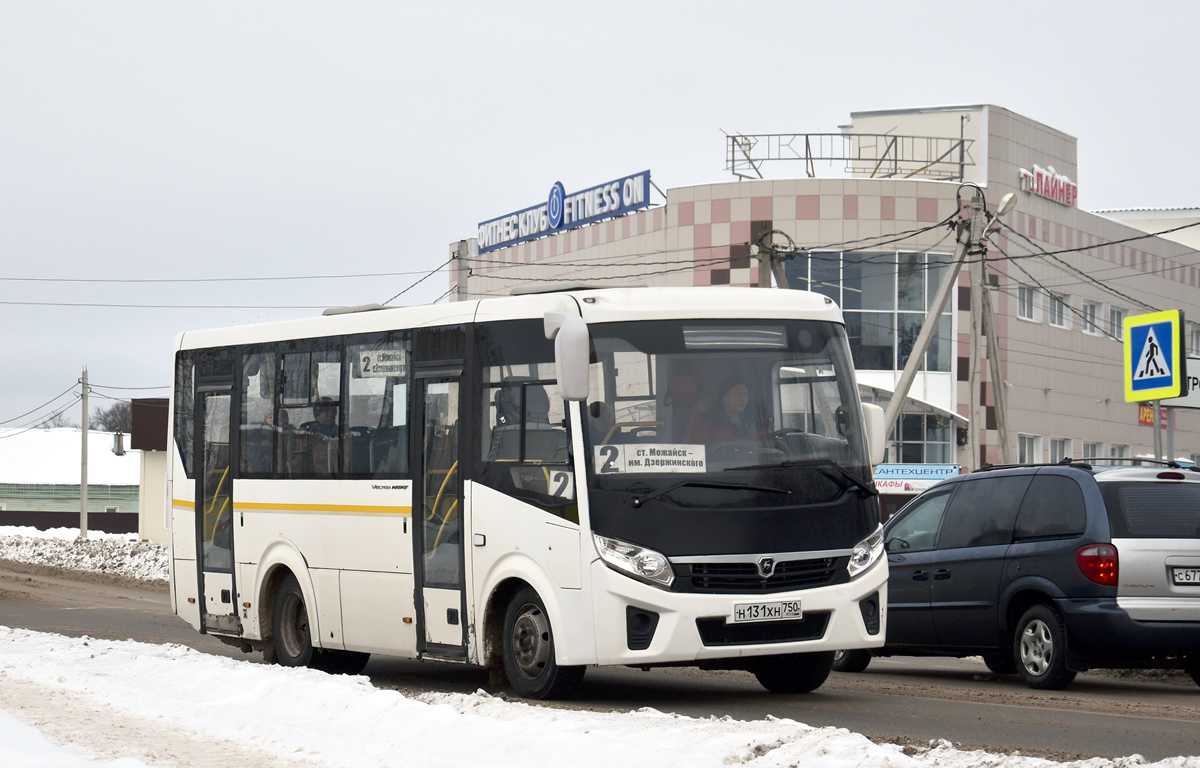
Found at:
<point>345,508</point>
<point>353,508</point>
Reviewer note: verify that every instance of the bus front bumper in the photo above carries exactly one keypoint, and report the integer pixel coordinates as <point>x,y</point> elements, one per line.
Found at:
<point>639,624</point>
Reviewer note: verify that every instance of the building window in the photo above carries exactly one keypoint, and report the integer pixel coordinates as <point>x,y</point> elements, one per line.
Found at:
<point>1194,340</point>
<point>1116,323</point>
<point>1058,310</point>
<point>1025,296</point>
<point>1092,313</point>
<point>884,297</point>
<point>1029,449</point>
<point>1091,450</point>
<point>1118,451</point>
<point>923,438</point>
<point>1060,448</point>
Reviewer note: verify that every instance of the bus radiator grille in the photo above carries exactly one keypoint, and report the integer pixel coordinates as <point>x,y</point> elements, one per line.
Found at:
<point>715,631</point>
<point>744,578</point>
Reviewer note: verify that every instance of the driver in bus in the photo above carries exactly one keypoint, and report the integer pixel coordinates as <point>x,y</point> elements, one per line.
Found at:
<point>730,417</point>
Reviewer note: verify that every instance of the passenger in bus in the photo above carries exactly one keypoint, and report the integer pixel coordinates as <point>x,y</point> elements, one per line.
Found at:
<point>731,417</point>
<point>321,439</point>
<point>324,419</point>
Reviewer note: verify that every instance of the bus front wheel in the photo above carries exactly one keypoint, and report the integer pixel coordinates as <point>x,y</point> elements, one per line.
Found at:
<point>793,673</point>
<point>291,641</point>
<point>528,650</point>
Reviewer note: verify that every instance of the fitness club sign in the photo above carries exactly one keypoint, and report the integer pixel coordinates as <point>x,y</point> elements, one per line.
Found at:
<point>563,211</point>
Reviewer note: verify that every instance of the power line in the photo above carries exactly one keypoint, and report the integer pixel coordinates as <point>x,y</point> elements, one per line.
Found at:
<point>158,280</point>
<point>1054,296</point>
<point>27,428</point>
<point>40,407</point>
<point>414,285</point>
<point>1076,270</point>
<point>105,386</point>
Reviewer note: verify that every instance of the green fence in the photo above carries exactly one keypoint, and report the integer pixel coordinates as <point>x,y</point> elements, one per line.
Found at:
<point>35,497</point>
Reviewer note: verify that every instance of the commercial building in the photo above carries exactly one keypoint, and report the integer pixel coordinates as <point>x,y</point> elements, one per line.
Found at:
<point>870,210</point>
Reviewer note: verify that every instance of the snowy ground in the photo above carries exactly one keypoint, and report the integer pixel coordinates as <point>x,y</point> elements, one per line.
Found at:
<point>80,702</point>
<point>117,553</point>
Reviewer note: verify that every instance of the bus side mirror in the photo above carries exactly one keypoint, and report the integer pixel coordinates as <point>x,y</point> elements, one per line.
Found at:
<point>571,353</point>
<point>876,433</point>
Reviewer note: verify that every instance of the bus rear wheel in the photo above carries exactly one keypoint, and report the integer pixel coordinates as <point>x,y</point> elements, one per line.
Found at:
<point>793,673</point>
<point>528,651</point>
<point>291,642</point>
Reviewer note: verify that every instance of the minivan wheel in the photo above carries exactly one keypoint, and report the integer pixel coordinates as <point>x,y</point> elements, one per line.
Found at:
<point>1001,664</point>
<point>1040,649</point>
<point>851,661</point>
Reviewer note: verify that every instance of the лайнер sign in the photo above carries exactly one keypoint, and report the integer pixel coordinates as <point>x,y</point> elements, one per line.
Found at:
<point>911,478</point>
<point>563,211</point>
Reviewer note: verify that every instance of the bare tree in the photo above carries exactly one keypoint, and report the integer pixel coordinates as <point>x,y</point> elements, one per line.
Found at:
<point>117,417</point>
<point>58,420</point>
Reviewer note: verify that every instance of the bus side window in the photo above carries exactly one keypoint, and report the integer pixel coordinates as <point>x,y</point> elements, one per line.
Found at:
<point>309,410</point>
<point>257,420</point>
<point>523,433</point>
<point>377,402</point>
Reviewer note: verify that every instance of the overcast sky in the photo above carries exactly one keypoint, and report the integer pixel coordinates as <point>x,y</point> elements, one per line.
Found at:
<point>153,140</point>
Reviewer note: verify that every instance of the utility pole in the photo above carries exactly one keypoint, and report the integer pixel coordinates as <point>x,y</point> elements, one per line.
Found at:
<point>999,394</point>
<point>83,480</point>
<point>974,398</point>
<point>769,261</point>
<point>970,238</point>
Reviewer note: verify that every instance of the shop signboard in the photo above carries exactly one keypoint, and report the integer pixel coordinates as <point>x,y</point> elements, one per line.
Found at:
<point>563,211</point>
<point>911,479</point>
<point>1155,366</point>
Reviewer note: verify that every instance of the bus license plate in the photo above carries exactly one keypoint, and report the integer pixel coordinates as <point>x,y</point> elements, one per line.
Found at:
<point>1186,576</point>
<point>774,611</point>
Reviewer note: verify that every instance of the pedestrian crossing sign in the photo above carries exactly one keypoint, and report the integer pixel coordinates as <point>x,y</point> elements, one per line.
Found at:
<point>1154,356</point>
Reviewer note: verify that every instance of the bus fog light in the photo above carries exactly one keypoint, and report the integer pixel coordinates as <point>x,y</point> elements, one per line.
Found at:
<point>866,553</point>
<point>642,563</point>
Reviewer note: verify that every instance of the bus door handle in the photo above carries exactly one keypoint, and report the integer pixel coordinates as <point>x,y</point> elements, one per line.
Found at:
<point>920,575</point>
<point>941,574</point>
<point>479,539</point>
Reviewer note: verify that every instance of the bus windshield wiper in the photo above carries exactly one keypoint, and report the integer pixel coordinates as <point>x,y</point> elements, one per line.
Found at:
<point>640,500</point>
<point>819,464</point>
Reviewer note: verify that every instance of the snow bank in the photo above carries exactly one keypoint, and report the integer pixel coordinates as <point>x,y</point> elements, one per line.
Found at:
<point>120,554</point>
<point>275,716</point>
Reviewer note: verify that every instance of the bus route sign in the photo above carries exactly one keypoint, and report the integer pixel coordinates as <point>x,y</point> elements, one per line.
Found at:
<point>1155,363</point>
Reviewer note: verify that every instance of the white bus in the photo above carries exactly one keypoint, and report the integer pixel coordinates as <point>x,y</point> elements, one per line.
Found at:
<point>681,477</point>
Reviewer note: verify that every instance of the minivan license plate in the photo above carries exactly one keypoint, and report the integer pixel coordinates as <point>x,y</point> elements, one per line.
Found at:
<point>1186,576</point>
<point>774,611</point>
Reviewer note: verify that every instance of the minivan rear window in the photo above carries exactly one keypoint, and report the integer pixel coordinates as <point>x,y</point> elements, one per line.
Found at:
<point>1153,510</point>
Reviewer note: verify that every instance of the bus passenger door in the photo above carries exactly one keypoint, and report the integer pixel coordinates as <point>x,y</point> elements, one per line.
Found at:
<point>438,515</point>
<point>214,508</point>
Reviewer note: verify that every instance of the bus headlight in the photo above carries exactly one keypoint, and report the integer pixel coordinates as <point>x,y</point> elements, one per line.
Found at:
<point>866,552</point>
<point>639,562</point>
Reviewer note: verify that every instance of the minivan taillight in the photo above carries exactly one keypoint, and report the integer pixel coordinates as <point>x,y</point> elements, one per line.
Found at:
<point>1099,563</point>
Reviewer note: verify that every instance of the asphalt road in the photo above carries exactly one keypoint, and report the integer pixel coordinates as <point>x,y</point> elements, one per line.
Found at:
<point>904,700</point>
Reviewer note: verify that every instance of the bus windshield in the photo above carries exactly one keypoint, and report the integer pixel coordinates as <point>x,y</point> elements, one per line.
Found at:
<point>678,401</point>
<point>727,436</point>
